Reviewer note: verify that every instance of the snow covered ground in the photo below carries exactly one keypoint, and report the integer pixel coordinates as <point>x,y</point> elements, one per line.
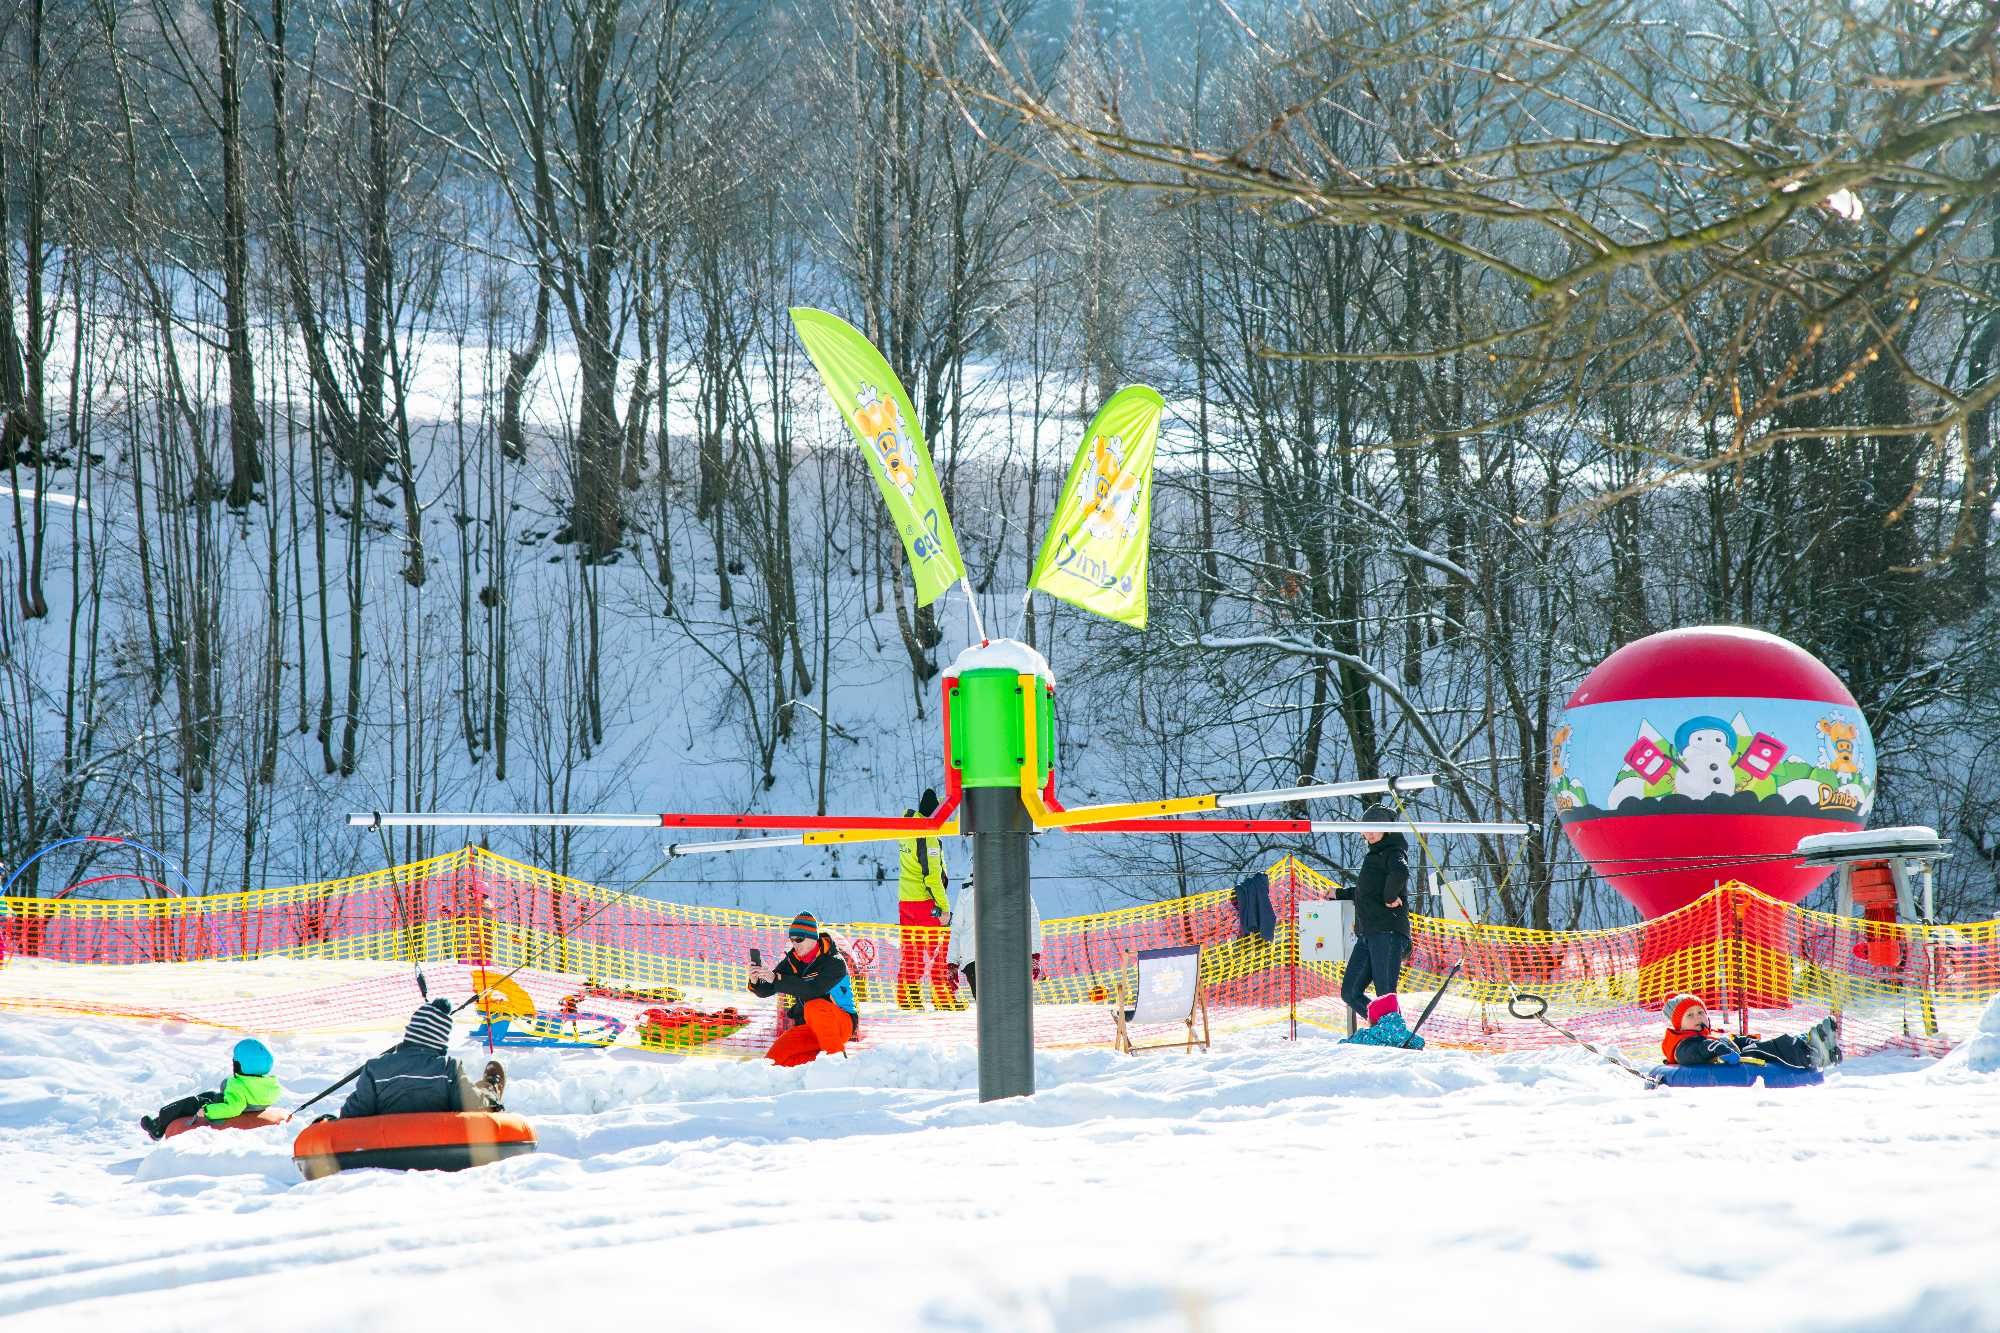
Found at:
<point>1258,1186</point>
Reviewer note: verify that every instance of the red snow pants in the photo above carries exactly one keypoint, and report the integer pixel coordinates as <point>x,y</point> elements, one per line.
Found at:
<point>922,945</point>
<point>824,1032</point>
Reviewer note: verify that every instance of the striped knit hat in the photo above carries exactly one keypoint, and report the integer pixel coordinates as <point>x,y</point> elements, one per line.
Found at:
<point>805,926</point>
<point>430,1025</point>
<point>1677,1011</point>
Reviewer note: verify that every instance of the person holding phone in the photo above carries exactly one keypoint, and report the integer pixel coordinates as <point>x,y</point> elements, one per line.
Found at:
<point>819,997</point>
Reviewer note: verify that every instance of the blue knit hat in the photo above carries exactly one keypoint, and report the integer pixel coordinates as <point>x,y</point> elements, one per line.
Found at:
<point>805,926</point>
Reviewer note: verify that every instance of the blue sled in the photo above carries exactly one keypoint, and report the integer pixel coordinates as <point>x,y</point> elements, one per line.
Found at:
<point>1745,1075</point>
<point>581,1030</point>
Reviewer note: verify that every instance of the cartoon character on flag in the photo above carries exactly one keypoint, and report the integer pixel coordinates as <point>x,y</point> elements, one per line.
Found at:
<point>877,417</point>
<point>1114,507</point>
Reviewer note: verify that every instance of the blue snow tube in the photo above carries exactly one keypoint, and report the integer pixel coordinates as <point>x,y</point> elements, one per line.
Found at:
<point>1745,1075</point>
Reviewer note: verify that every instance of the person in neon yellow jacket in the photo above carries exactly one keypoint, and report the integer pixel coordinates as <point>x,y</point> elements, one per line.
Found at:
<point>250,1087</point>
<point>923,911</point>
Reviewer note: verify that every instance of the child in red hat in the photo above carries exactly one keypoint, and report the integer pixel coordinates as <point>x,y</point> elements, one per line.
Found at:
<point>1690,1041</point>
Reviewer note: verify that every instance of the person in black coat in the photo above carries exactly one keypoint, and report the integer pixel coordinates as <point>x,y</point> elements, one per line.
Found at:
<point>1380,894</point>
<point>416,1074</point>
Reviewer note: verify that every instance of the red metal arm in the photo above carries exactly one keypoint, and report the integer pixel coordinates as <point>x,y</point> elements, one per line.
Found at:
<point>954,792</point>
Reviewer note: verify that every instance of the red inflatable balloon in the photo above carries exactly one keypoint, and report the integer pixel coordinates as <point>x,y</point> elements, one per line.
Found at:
<point>1698,756</point>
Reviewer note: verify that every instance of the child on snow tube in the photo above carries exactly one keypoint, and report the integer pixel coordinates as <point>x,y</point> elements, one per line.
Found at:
<point>249,1088</point>
<point>812,976</point>
<point>1690,1041</point>
<point>418,1073</point>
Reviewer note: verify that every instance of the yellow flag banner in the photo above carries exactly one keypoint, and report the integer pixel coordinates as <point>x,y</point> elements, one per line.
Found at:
<point>872,401</point>
<point>1094,555</point>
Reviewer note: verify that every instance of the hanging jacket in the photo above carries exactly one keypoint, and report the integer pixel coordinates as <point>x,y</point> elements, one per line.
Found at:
<point>964,950</point>
<point>241,1094</point>
<point>920,874</point>
<point>824,978</point>
<point>1384,878</point>
<point>1253,906</point>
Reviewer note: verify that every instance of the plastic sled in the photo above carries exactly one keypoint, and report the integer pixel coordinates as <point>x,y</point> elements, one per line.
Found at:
<point>425,1141</point>
<point>578,1029</point>
<point>496,996</point>
<point>270,1115</point>
<point>1749,1074</point>
<point>685,1029</point>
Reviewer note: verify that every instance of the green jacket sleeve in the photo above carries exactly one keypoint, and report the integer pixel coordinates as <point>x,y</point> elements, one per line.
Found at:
<point>241,1093</point>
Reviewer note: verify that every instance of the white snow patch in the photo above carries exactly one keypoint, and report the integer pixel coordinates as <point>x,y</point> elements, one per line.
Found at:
<point>1010,654</point>
<point>1238,1190</point>
<point>28,495</point>
<point>1904,838</point>
<point>1981,1055</point>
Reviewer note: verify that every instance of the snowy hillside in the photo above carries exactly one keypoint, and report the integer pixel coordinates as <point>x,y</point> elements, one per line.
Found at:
<point>1267,1184</point>
<point>680,728</point>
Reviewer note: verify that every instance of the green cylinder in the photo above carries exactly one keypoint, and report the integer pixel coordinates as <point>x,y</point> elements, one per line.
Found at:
<point>987,737</point>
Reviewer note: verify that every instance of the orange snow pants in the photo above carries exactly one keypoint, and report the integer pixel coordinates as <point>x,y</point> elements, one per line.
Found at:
<point>825,1032</point>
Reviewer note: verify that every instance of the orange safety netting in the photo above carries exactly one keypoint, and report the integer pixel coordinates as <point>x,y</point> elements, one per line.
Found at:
<point>598,966</point>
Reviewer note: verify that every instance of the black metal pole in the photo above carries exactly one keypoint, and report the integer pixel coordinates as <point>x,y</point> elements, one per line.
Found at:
<point>999,826</point>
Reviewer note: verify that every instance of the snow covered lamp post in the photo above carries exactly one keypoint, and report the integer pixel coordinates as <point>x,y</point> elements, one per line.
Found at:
<point>990,747</point>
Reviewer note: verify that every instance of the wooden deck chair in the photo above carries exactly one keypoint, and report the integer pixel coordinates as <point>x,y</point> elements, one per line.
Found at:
<point>1169,992</point>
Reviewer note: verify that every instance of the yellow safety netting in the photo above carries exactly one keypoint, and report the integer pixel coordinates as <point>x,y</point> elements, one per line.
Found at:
<point>1771,965</point>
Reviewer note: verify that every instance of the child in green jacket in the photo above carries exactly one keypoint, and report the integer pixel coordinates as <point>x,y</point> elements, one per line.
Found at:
<point>249,1087</point>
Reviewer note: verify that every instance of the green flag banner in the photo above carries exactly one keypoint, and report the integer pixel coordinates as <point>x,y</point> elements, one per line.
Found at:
<point>1094,555</point>
<point>878,411</point>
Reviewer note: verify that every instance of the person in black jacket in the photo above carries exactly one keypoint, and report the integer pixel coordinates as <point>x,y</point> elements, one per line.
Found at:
<point>819,998</point>
<point>417,1075</point>
<point>1380,894</point>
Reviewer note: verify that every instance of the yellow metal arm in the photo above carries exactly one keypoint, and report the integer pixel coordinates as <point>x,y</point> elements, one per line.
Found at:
<point>821,837</point>
<point>810,838</point>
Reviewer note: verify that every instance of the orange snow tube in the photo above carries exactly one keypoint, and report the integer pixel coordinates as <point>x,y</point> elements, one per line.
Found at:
<point>270,1115</point>
<point>426,1141</point>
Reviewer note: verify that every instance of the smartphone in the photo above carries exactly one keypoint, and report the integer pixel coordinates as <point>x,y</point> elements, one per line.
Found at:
<point>756,958</point>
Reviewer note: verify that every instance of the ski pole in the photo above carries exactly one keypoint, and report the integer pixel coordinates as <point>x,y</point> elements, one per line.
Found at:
<point>1443,986</point>
<point>1540,1014</point>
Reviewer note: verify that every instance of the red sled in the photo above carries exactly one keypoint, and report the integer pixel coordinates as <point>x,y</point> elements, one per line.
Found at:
<point>270,1115</point>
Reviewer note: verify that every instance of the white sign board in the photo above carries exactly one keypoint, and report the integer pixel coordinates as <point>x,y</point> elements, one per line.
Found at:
<point>1325,931</point>
<point>1458,900</point>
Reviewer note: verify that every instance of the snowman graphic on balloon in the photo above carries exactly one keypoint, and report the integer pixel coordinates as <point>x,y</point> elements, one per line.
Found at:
<point>1705,763</point>
<point>1707,757</point>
